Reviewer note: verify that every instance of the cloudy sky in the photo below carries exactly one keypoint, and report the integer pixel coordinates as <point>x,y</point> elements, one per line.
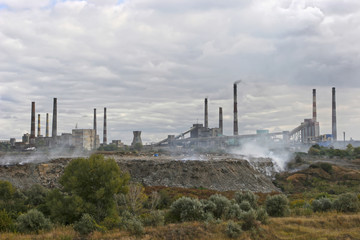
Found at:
<point>152,63</point>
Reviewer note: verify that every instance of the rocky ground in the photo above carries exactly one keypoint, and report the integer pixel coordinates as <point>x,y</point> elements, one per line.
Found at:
<point>220,173</point>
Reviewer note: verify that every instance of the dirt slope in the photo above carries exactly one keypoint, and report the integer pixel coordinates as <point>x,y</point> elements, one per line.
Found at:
<point>219,174</point>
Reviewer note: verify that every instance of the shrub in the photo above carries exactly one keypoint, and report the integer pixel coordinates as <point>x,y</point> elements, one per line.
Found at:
<point>249,219</point>
<point>134,226</point>
<point>277,205</point>
<point>314,151</point>
<point>208,206</point>
<point>33,221</point>
<point>245,206</point>
<point>234,212</point>
<point>327,167</point>
<point>6,223</point>
<point>246,196</point>
<point>262,216</point>
<point>187,209</point>
<point>111,222</point>
<point>347,202</point>
<point>321,205</point>
<point>154,218</point>
<point>233,230</point>
<point>85,225</point>
<point>222,205</point>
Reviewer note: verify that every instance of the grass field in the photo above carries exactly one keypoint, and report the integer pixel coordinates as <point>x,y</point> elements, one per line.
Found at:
<point>318,226</point>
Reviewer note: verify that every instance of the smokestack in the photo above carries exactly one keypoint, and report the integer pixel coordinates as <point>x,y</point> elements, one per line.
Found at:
<point>105,129</point>
<point>334,134</point>
<point>54,124</point>
<point>95,128</point>
<point>47,125</point>
<point>236,130</point>
<point>314,105</point>
<point>206,114</point>
<point>32,131</point>
<point>39,128</point>
<point>220,120</point>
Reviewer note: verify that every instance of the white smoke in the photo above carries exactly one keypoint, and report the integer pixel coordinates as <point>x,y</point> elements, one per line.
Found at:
<point>253,150</point>
<point>40,156</point>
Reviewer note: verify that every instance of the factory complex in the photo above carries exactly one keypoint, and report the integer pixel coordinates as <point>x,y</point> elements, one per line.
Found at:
<point>307,133</point>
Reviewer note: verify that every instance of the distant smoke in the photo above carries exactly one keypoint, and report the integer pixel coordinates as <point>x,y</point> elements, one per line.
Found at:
<point>40,156</point>
<point>252,150</point>
<point>238,81</point>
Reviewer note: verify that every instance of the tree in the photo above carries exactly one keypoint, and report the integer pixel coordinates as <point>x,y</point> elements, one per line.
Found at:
<point>6,190</point>
<point>135,197</point>
<point>95,180</point>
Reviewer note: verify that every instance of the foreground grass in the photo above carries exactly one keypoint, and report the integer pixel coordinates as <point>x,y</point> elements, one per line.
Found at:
<point>318,226</point>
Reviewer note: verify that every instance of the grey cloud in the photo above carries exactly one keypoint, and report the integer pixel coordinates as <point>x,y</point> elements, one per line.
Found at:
<point>153,62</point>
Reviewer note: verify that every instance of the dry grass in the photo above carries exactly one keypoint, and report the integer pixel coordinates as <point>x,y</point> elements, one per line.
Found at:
<point>318,226</point>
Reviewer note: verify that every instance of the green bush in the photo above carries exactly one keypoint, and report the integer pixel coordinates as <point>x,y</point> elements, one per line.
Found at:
<point>6,223</point>
<point>327,167</point>
<point>154,218</point>
<point>314,151</point>
<point>85,225</point>
<point>36,195</point>
<point>249,220</point>
<point>64,209</point>
<point>208,206</point>
<point>347,202</point>
<point>111,222</point>
<point>186,209</point>
<point>33,221</point>
<point>321,205</point>
<point>222,205</point>
<point>234,212</point>
<point>245,206</point>
<point>262,216</point>
<point>277,205</point>
<point>233,230</point>
<point>134,226</point>
<point>246,196</point>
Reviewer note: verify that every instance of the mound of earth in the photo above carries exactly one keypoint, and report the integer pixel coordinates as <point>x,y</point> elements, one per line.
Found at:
<point>216,173</point>
<point>322,176</point>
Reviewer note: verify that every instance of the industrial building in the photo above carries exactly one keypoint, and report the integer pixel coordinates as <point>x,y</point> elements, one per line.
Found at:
<point>85,139</point>
<point>308,132</point>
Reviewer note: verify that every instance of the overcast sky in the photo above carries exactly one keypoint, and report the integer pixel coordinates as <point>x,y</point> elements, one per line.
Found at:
<point>152,63</point>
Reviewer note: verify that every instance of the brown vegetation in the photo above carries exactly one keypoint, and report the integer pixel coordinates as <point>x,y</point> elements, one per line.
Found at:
<point>319,226</point>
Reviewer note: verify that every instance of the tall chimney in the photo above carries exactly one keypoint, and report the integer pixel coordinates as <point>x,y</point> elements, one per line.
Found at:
<point>54,124</point>
<point>39,128</point>
<point>314,105</point>
<point>221,120</point>
<point>105,129</point>
<point>32,132</point>
<point>47,125</point>
<point>95,128</point>
<point>206,120</point>
<point>334,134</point>
<point>236,129</point>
